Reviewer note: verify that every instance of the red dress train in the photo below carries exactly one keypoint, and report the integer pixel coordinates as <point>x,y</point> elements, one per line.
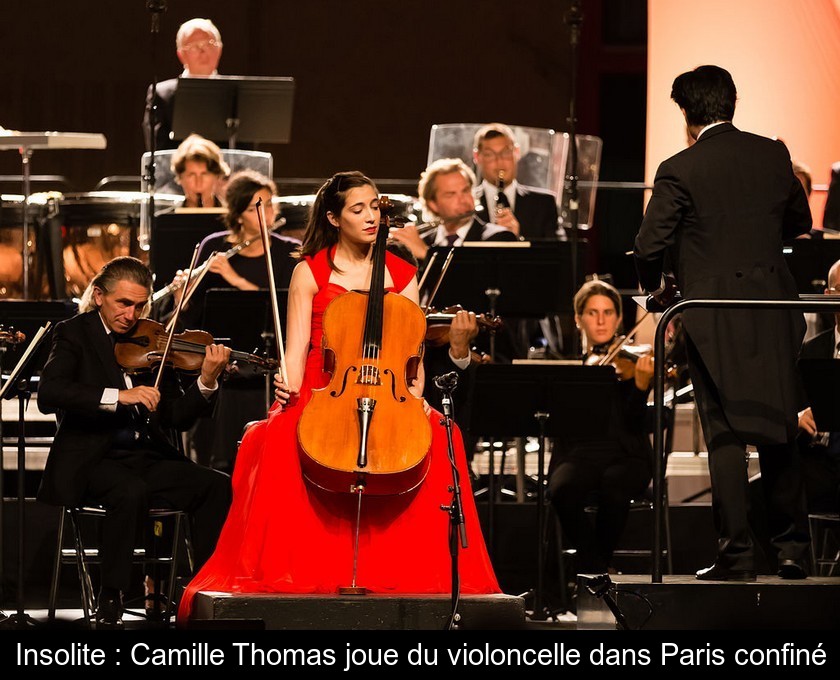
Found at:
<point>282,535</point>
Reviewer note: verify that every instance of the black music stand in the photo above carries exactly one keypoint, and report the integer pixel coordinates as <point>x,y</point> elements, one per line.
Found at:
<point>542,399</point>
<point>821,378</point>
<point>243,320</point>
<point>18,386</point>
<point>173,241</point>
<point>516,281</point>
<point>530,281</point>
<point>236,108</point>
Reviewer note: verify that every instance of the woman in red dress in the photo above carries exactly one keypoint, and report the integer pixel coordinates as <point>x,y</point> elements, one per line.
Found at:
<point>282,534</point>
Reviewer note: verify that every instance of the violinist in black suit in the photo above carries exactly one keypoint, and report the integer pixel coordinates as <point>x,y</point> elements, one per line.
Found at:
<point>721,210</point>
<point>199,48</point>
<point>116,444</point>
<point>821,450</point>
<point>528,212</point>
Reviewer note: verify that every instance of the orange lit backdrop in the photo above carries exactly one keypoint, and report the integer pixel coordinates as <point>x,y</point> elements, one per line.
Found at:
<point>784,56</point>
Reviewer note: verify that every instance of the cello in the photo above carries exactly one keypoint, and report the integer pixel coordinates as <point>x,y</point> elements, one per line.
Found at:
<point>365,431</point>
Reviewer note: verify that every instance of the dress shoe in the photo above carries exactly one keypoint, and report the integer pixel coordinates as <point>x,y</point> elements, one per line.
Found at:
<point>718,572</point>
<point>790,570</point>
<point>109,613</point>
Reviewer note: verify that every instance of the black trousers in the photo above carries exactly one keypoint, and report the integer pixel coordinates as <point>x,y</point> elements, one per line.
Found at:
<point>128,483</point>
<point>781,477</point>
<point>611,483</point>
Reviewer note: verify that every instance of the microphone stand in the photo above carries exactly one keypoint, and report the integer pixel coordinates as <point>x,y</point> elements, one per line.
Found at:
<point>574,19</point>
<point>156,7</point>
<point>457,528</point>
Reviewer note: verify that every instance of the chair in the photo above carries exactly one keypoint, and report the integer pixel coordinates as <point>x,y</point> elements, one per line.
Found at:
<point>645,503</point>
<point>825,542</point>
<point>83,557</point>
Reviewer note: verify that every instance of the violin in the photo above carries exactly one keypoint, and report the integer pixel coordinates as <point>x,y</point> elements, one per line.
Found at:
<point>438,324</point>
<point>9,336</point>
<point>142,349</point>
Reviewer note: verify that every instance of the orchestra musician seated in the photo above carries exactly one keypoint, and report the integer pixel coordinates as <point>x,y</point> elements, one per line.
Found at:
<point>116,442</point>
<point>200,171</point>
<point>528,212</point>
<point>446,195</point>
<point>614,466</point>
<point>238,262</point>
<point>821,450</point>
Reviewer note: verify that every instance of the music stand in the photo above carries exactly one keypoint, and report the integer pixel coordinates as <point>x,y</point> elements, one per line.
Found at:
<point>821,378</point>
<point>236,108</point>
<point>18,386</point>
<point>243,318</point>
<point>174,238</point>
<point>546,400</point>
<point>530,281</point>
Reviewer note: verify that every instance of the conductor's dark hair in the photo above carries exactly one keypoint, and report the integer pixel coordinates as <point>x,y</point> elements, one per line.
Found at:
<point>707,95</point>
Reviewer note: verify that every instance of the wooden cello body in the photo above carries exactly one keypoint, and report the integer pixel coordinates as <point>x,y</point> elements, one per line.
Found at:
<point>365,429</point>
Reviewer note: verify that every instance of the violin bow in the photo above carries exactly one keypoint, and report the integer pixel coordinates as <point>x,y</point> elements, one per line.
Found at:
<point>443,271</point>
<point>609,356</point>
<point>275,310</point>
<point>174,320</point>
<point>427,270</point>
<point>191,286</point>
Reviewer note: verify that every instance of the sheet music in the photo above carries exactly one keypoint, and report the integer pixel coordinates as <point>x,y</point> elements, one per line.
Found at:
<point>496,244</point>
<point>547,362</point>
<point>33,345</point>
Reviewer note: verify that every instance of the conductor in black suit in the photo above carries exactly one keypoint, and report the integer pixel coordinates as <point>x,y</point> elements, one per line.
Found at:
<point>199,48</point>
<point>528,212</point>
<point>116,442</point>
<point>721,209</point>
<point>821,450</point>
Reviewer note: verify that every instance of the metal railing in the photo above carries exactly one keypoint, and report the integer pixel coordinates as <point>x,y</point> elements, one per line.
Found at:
<point>805,303</point>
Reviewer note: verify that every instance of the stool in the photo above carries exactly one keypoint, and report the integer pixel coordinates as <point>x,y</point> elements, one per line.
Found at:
<point>825,542</point>
<point>83,557</point>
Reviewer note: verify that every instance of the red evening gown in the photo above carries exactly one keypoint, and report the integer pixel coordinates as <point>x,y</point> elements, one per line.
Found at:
<point>282,535</point>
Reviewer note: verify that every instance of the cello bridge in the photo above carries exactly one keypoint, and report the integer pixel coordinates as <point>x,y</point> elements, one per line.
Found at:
<point>369,375</point>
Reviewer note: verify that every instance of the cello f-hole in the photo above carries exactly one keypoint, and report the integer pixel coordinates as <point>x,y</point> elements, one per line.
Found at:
<point>350,369</point>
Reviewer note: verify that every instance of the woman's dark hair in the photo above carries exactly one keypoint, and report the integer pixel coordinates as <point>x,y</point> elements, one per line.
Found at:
<point>240,190</point>
<point>707,95</point>
<point>331,197</point>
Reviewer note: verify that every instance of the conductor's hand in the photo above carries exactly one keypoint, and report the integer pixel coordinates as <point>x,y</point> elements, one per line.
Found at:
<point>807,422</point>
<point>216,357</point>
<point>669,293</point>
<point>142,395</point>
<point>462,332</point>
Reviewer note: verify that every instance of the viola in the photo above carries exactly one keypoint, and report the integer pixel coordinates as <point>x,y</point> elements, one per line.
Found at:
<point>142,349</point>
<point>365,429</point>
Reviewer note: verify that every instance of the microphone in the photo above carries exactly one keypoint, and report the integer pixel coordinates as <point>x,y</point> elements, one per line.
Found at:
<point>446,382</point>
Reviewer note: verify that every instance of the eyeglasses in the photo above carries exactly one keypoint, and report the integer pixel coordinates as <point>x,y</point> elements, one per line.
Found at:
<point>505,155</point>
<point>201,45</point>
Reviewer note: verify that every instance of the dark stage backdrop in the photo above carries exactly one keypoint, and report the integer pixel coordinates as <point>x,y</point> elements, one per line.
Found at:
<point>372,75</point>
